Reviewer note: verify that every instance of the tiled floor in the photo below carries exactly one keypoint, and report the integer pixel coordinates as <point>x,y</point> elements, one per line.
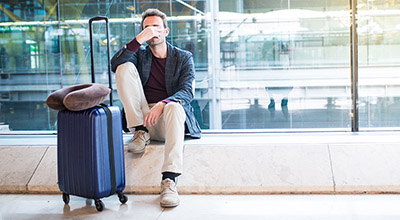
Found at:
<point>204,207</point>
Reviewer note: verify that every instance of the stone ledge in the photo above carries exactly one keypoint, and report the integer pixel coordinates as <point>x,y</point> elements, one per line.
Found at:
<point>18,165</point>
<point>262,167</point>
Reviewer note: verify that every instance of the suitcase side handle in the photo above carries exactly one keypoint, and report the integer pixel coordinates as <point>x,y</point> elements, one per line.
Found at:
<point>100,18</point>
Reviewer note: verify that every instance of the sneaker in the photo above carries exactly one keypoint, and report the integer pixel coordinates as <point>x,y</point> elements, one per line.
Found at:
<point>169,194</point>
<point>139,142</point>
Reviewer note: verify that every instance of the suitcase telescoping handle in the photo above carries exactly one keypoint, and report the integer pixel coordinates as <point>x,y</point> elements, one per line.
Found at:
<point>100,18</point>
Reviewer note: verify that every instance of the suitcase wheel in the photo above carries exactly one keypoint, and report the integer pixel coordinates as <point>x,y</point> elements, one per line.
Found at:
<point>65,198</point>
<point>99,205</point>
<point>122,197</point>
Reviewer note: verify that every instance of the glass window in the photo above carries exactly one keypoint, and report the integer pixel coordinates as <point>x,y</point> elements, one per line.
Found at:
<point>284,64</point>
<point>45,46</point>
<point>277,64</point>
<point>379,57</point>
<point>26,61</point>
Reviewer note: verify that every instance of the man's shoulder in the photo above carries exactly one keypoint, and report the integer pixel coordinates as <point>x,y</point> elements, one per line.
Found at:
<point>180,52</point>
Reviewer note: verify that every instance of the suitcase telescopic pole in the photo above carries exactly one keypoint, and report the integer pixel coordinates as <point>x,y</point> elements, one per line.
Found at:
<point>100,18</point>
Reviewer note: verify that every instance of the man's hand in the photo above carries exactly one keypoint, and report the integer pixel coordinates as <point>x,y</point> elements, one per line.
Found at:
<point>148,33</point>
<point>152,116</point>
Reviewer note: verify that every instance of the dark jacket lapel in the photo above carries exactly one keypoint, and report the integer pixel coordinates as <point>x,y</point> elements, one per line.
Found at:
<point>146,65</point>
<point>169,68</point>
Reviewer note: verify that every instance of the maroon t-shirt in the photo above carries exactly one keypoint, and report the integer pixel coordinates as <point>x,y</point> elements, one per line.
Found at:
<point>154,90</point>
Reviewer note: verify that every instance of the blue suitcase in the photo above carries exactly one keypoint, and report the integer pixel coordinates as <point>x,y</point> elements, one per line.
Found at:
<point>90,149</point>
<point>91,154</point>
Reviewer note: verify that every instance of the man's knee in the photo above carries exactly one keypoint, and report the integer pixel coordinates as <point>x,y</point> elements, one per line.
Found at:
<point>127,67</point>
<point>174,107</point>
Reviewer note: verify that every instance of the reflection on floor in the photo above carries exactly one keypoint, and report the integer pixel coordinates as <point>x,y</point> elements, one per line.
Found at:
<point>204,207</point>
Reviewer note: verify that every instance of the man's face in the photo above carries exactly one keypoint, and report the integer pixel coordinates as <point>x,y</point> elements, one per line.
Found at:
<point>157,23</point>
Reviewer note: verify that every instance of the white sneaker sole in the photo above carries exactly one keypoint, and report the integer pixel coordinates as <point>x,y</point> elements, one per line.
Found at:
<point>169,205</point>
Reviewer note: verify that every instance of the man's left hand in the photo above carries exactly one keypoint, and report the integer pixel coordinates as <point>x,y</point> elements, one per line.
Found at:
<point>153,115</point>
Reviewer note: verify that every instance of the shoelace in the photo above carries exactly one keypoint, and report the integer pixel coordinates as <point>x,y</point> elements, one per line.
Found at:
<point>139,134</point>
<point>168,185</point>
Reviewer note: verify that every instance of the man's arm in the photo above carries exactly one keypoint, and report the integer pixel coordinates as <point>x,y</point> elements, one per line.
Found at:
<point>152,116</point>
<point>148,33</point>
<point>122,56</point>
<point>128,52</point>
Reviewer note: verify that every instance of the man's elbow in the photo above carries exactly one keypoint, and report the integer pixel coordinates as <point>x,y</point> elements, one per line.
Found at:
<point>113,67</point>
<point>114,64</point>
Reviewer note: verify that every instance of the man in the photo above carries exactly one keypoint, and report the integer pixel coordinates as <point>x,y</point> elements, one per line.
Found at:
<point>154,84</point>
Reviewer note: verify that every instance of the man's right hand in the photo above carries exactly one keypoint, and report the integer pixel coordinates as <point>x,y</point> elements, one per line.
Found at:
<point>148,33</point>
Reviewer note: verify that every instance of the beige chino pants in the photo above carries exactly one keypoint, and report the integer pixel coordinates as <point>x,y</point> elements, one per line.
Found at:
<point>170,126</point>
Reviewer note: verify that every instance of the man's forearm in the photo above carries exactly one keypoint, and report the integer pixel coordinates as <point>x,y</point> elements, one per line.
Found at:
<point>133,45</point>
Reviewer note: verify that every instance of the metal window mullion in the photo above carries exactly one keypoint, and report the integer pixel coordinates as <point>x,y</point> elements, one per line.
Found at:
<point>354,67</point>
<point>214,60</point>
<point>171,24</point>
<point>59,43</point>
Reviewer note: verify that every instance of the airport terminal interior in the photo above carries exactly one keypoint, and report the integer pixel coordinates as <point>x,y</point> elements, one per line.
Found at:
<point>298,102</point>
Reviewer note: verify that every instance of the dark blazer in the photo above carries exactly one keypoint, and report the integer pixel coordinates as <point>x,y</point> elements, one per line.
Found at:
<point>179,76</point>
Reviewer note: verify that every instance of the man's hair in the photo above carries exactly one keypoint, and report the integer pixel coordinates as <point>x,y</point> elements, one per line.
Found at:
<point>154,12</point>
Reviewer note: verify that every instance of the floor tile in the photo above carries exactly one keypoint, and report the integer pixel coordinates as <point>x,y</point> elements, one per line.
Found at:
<point>256,169</point>
<point>371,167</point>
<point>17,166</point>
<point>206,207</point>
<point>38,207</point>
<point>285,207</point>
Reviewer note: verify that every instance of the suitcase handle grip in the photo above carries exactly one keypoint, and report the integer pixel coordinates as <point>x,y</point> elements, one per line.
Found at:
<point>100,18</point>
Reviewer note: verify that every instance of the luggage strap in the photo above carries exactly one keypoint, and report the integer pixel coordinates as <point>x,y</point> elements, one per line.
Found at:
<point>110,148</point>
